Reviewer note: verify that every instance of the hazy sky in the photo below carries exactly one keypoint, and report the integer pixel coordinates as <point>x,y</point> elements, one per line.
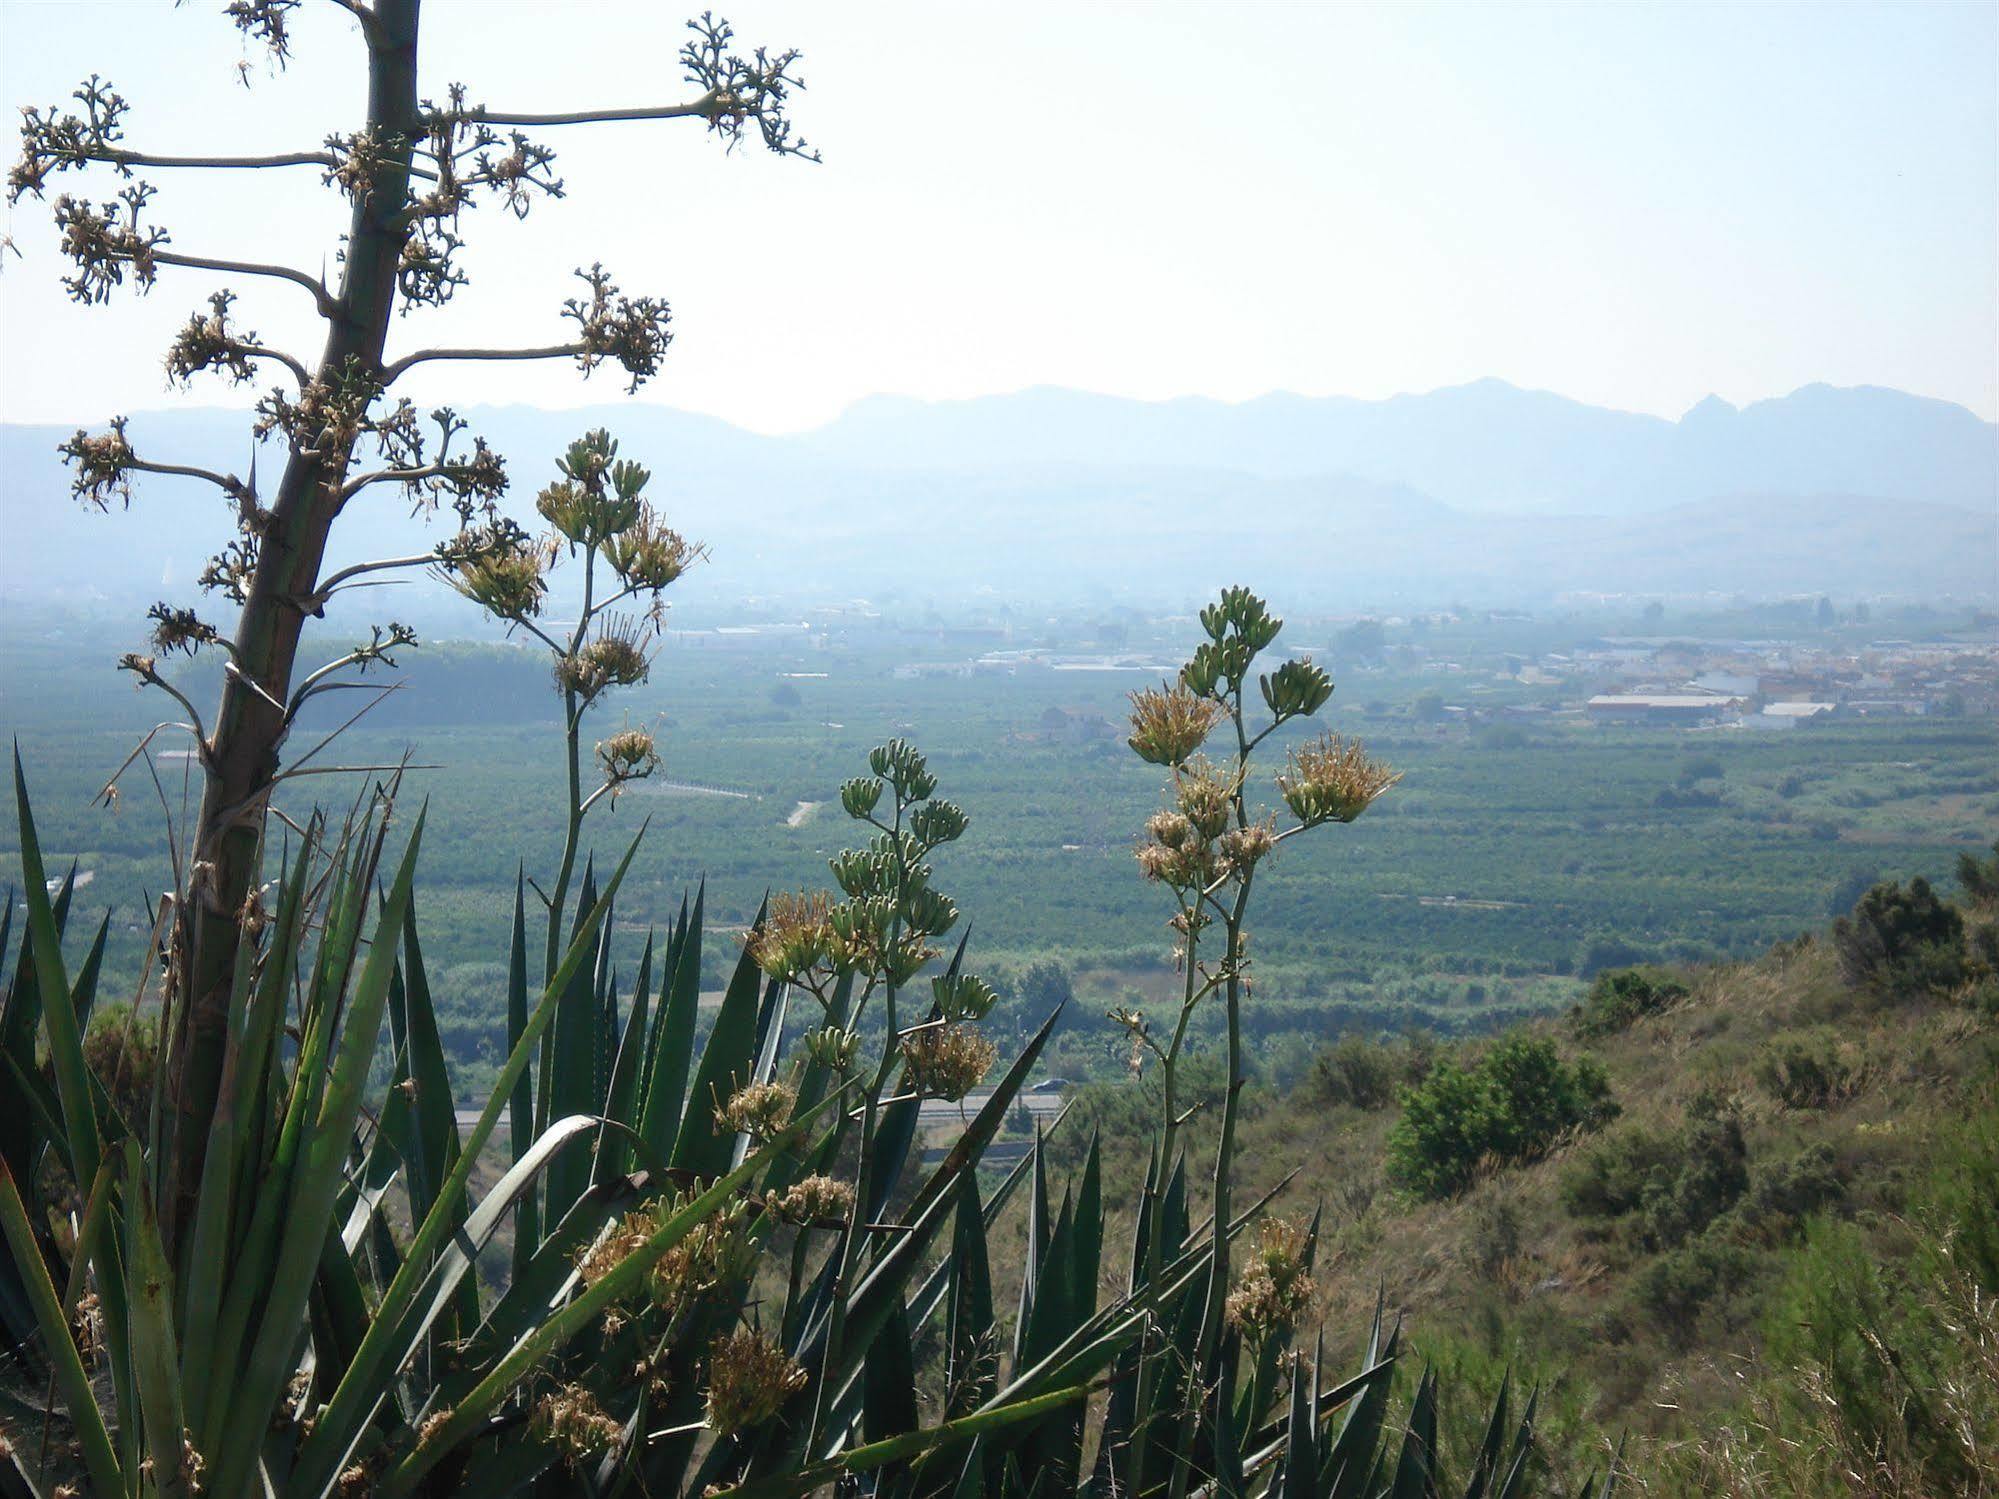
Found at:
<point>1632,205</point>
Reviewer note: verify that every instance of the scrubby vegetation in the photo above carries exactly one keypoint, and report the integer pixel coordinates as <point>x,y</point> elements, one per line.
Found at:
<point>1773,1272</point>
<point>1512,1104</point>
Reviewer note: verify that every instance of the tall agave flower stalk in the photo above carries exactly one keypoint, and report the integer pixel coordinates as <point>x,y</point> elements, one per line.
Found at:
<point>600,520</point>
<point>743,1279</point>
<point>1205,848</point>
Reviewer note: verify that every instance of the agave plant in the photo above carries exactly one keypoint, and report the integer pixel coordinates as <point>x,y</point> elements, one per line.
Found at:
<point>707,1259</point>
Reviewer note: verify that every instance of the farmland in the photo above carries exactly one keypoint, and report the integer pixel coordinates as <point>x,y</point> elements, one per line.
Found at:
<point>1514,858</point>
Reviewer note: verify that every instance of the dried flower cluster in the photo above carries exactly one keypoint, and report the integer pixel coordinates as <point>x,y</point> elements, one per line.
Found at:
<point>507,584</point>
<point>739,91</point>
<point>208,342</point>
<point>760,1110</point>
<point>649,554</point>
<point>814,1199</point>
<point>749,1379</point>
<point>713,1254</point>
<point>179,630</point>
<point>632,332</point>
<point>629,755</point>
<point>1169,724</point>
<point>103,465</point>
<point>104,239</point>
<point>832,1048</point>
<point>1276,1288</point>
<point>794,937</point>
<point>52,141</point>
<point>616,658</point>
<point>1332,780</point>
<point>949,1061</point>
<point>571,1421</point>
<point>1194,843</point>
<point>616,1244</point>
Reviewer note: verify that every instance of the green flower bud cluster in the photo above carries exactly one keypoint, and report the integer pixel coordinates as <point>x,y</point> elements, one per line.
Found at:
<point>900,764</point>
<point>860,796</point>
<point>1296,689</point>
<point>963,996</point>
<point>832,1047</point>
<point>597,497</point>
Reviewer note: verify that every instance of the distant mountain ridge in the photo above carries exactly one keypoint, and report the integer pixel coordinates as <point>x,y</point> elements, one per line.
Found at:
<point>1483,446</point>
<point>1482,492</point>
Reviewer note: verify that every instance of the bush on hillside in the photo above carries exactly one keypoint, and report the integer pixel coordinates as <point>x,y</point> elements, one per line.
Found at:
<point>1601,950</point>
<point>1513,1104</point>
<point>1365,1074</point>
<point>1979,878</point>
<point>1663,1188</point>
<point>1678,1287</point>
<point>1802,1074</point>
<point>1786,1193</point>
<point>1900,941</point>
<point>1621,996</point>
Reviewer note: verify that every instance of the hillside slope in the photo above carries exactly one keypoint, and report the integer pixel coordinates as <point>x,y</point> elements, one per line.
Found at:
<point>1772,1272</point>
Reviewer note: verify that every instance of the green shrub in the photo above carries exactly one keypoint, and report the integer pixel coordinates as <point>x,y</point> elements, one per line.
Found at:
<point>1787,1192</point>
<point>1609,1181</point>
<point>1680,1285</point>
<point>1868,1343</point>
<point>1601,950</point>
<point>1802,1074</point>
<point>1900,941</point>
<point>122,1050</point>
<point>1621,996</point>
<point>1979,878</point>
<point>1366,1074</point>
<point>1512,1105</point>
<point>1663,1188</point>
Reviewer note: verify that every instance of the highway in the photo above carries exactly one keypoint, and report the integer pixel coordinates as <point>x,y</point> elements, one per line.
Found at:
<point>935,1112</point>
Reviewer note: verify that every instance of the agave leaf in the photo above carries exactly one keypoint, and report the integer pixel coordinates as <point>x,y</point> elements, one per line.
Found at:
<point>520,1104</point>
<point>671,1047</point>
<point>584,1310</point>
<point>58,1020</point>
<point>363,1386</point>
<point>727,1062</point>
<point>264,1205</point>
<point>621,1100</point>
<point>313,1187</point>
<point>461,1253</point>
<point>540,1286</point>
<point>882,1286</point>
<point>570,1082</point>
<point>1491,1446</point>
<point>1416,1467</point>
<point>100,1461</point>
<point>155,1363</point>
<point>971,1337</point>
<point>888,1389</point>
<point>253,1021</point>
<point>1352,1457</point>
<point>1299,1473</point>
<point>875,1455</point>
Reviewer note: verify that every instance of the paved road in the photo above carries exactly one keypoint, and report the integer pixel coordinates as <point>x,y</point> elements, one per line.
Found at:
<point>935,1111</point>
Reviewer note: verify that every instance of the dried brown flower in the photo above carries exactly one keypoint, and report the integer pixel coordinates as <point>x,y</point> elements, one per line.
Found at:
<point>629,755</point>
<point>749,1379</point>
<point>570,1420</point>
<point>813,1199</point>
<point>1332,780</point>
<point>761,1110</point>
<point>1275,1289</point>
<point>948,1061</point>
<point>1168,723</point>
<point>794,937</point>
